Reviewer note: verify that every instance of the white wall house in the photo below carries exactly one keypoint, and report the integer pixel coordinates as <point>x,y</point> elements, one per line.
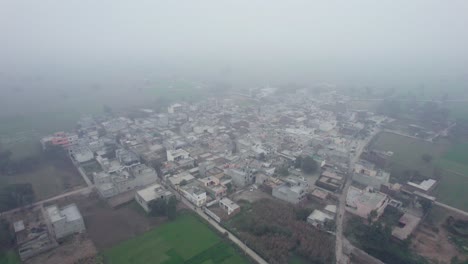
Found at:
<point>229,206</point>
<point>146,196</point>
<point>195,195</point>
<point>177,154</point>
<point>65,221</point>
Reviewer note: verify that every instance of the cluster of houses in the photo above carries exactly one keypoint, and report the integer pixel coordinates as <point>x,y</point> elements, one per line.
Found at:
<point>208,150</point>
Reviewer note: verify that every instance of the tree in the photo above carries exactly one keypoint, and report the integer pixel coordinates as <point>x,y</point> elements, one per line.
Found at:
<point>426,157</point>
<point>426,205</point>
<point>6,239</point>
<point>229,187</point>
<point>158,207</point>
<point>156,165</point>
<point>372,216</point>
<point>309,165</point>
<point>303,213</point>
<point>183,182</point>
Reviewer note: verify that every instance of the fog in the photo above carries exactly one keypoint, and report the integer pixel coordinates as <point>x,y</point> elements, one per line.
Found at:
<point>49,47</point>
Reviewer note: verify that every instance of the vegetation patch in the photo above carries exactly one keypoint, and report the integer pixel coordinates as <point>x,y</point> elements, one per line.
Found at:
<point>9,257</point>
<point>184,240</point>
<point>376,239</point>
<point>452,190</point>
<point>277,232</point>
<point>458,153</point>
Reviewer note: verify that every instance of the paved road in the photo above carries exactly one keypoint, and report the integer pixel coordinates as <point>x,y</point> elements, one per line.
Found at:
<point>63,195</point>
<point>233,238</point>
<point>340,240</point>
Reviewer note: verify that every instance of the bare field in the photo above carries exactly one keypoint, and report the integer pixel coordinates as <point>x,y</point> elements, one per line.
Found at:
<point>107,226</point>
<point>251,196</point>
<point>431,239</point>
<point>73,250</point>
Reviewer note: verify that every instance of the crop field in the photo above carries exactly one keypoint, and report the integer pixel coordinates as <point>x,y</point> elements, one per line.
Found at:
<point>452,190</point>
<point>185,240</point>
<point>408,151</point>
<point>450,159</point>
<point>458,154</point>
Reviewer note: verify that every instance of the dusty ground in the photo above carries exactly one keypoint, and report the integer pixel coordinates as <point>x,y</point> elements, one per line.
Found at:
<point>107,226</point>
<point>70,251</point>
<point>49,178</point>
<point>431,239</point>
<point>251,196</point>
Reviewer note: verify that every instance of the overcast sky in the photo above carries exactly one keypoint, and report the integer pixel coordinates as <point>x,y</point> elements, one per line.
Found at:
<point>359,40</point>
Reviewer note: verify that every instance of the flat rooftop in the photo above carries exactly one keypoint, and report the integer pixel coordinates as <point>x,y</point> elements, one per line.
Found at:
<point>364,197</point>
<point>406,226</point>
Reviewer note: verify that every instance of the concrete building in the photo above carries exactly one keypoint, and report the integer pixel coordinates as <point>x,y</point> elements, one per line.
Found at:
<point>425,186</point>
<point>229,206</point>
<point>330,180</point>
<point>127,157</point>
<point>177,179</point>
<point>194,194</point>
<point>66,220</point>
<point>363,202</point>
<point>366,174</point>
<point>290,192</point>
<point>127,179</point>
<point>154,192</point>
<point>33,236</point>
<point>61,139</point>
<point>174,108</point>
<point>177,154</point>
<point>318,218</point>
<point>406,225</point>
<point>80,153</point>
<point>240,178</point>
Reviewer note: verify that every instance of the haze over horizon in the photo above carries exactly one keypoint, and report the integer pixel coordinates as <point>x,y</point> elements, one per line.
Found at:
<point>72,45</point>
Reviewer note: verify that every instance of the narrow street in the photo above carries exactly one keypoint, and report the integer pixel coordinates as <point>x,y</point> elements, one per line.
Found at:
<point>340,257</point>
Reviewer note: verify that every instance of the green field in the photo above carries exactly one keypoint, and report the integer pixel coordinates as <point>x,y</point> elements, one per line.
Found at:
<point>451,159</point>
<point>185,240</point>
<point>9,257</point>
<point>452,190</point>
<point>458,153</point>
<point>408,151</point>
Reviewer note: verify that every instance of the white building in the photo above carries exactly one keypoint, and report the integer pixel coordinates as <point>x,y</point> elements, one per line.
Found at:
<point>363,202</point>
<point>178,178</point>
<point>111,184</point>
<point>195,195</point>
<point>318,218</point>
<point>81,153</point>
<point>65,221</point>
<point>151,193</point>
<point>177,154</point>
<point>174,108</point>
<point>229,206</point>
